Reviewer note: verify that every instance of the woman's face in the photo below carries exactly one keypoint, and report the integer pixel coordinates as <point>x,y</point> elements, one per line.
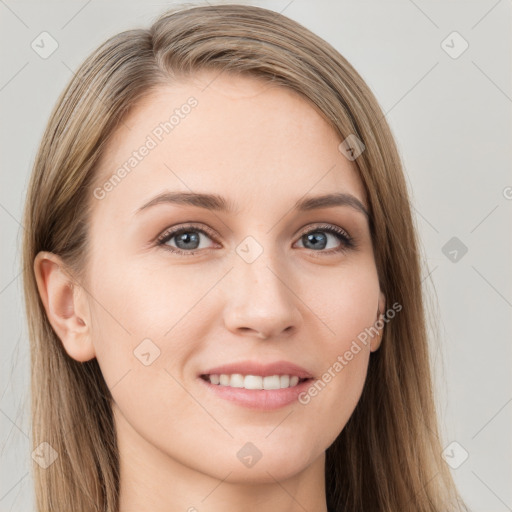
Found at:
<point>250,279</point>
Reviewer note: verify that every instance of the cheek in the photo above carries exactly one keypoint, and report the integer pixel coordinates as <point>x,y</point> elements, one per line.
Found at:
<point>143,330</point>
<point>138,310</point>
<point>348,310</point>
<point>346,302</point>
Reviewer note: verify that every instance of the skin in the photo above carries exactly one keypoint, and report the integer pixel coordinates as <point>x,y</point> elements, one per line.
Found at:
<point>263,148</point>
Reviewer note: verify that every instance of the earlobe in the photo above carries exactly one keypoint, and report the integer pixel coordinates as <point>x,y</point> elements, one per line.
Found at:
<point>65,305</point>
<point>379,323</point>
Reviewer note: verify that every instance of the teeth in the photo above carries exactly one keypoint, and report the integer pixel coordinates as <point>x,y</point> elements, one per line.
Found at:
<point>237,380</point>
<point>253,382</point>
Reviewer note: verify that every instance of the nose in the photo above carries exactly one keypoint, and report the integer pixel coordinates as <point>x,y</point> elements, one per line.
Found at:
<point>260,300</point>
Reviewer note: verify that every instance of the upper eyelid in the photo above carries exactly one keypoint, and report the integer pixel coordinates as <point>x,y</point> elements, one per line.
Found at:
<point>326,226</point>
<point>184,226</point>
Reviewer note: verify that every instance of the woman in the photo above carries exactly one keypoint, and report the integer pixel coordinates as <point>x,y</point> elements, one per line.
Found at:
<point>196,180</point>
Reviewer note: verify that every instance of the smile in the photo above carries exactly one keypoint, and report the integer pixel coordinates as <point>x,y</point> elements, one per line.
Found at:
<point>237,380</point>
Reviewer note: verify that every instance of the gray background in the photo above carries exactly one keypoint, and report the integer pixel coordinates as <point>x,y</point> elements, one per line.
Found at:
<point>451,118</point>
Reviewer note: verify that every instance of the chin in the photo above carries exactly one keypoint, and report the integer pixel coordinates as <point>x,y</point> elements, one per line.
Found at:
<point>264,462</point>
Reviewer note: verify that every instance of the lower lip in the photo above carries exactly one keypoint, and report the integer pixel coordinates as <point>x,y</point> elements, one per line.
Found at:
<point>262,399</point>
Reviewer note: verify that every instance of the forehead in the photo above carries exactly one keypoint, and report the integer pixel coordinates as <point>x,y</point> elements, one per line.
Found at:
<point>242,137</point>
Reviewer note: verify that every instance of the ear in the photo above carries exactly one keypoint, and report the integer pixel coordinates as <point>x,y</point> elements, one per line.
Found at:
<point>65,304</point>
<point>376,340</point>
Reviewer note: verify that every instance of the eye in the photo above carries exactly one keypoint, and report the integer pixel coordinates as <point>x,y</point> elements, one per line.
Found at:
<point>317,239</point>
<point>188,239</point>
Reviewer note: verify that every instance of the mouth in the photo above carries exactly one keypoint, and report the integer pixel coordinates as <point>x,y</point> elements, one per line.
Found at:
<point>254,382</point>
<point>257,385</point>
<point>262,392</point>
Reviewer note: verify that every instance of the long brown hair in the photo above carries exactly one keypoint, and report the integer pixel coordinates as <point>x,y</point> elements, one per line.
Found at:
<point>388,456</point>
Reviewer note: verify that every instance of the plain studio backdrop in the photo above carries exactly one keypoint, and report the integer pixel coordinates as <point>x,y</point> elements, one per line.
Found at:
<point>442,74</point>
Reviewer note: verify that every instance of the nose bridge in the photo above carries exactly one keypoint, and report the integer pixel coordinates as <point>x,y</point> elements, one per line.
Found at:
<point>260,271</point>
<point>263,276</point>
<point>260,298</point>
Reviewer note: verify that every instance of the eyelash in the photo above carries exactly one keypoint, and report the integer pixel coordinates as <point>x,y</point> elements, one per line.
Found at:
<point>347,242</point>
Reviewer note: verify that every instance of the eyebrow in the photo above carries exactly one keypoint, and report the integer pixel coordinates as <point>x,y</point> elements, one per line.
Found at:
<point>221,204</point>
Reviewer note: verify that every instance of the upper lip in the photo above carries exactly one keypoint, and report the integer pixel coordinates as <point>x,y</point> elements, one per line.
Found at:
<point>258,368</point>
